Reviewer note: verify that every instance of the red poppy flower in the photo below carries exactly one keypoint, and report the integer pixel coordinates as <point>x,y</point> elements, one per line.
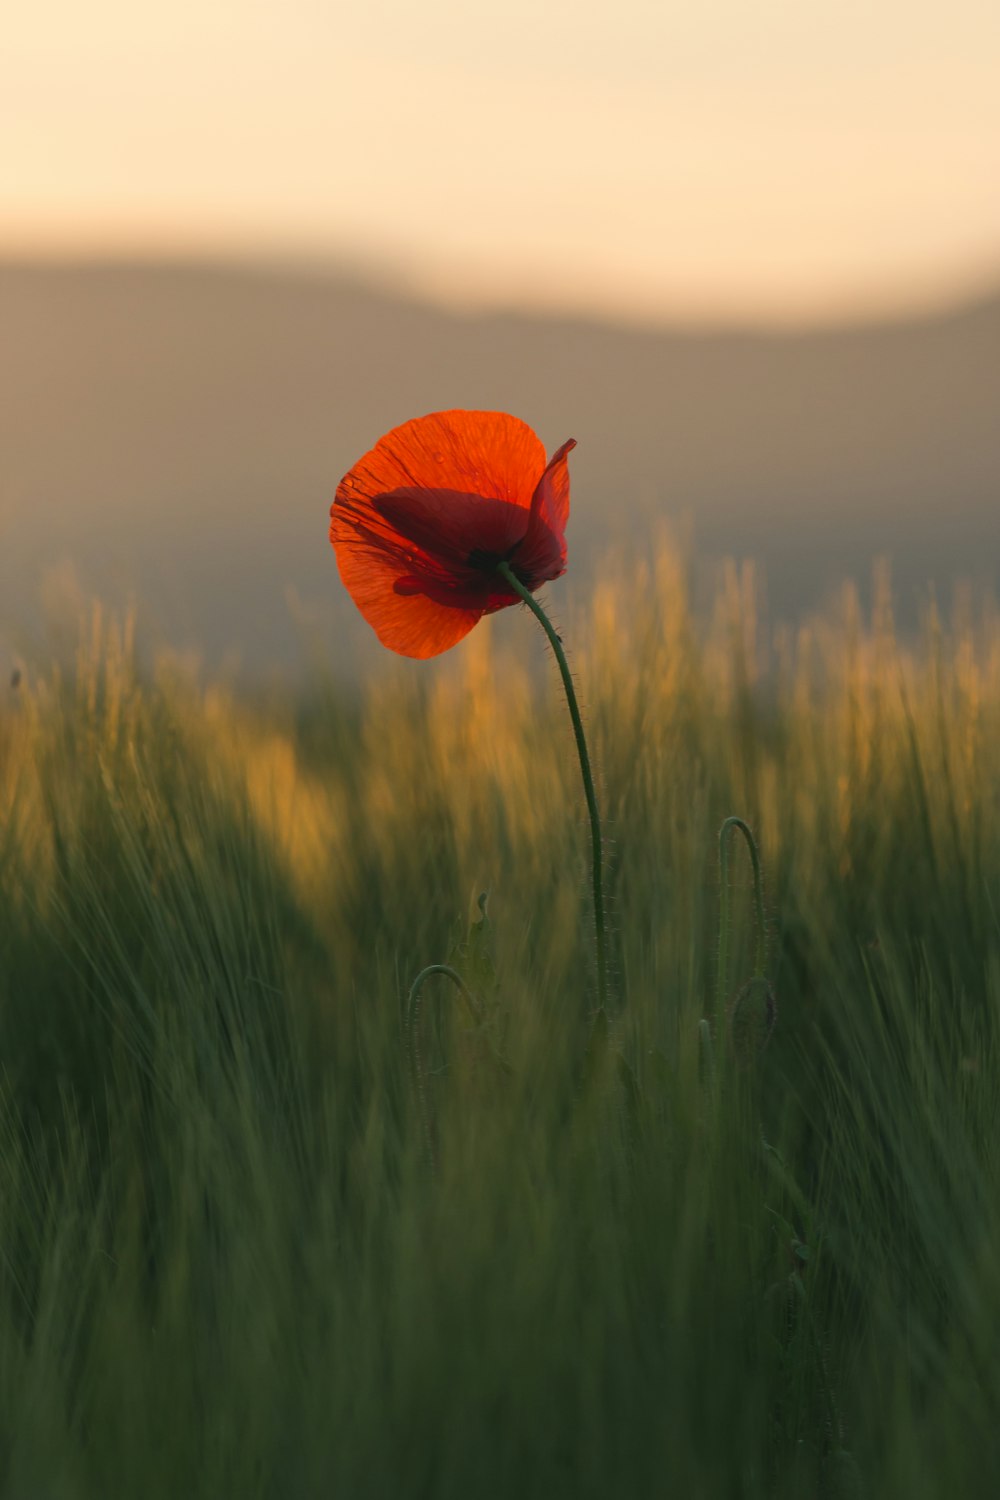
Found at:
<point>420,524</point>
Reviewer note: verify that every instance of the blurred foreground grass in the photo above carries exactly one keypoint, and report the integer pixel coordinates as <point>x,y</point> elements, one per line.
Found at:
<point>237,1257</point>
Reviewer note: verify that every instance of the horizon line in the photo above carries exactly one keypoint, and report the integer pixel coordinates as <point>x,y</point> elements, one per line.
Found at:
<point>386,276</point>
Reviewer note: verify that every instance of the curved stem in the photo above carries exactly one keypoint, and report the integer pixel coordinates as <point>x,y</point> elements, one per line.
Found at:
<point>760,957</point>
<point>412,1003</point>
<point>597,862</point>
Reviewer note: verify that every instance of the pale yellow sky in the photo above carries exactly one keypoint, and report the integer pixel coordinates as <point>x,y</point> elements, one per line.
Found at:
<point>747,158</point>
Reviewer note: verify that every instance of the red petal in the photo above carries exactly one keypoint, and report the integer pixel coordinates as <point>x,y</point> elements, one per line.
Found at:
<point>388,588</point>
<point>484,453</point>
<point>541,555</point>
<point>452,526</point>
<point>551,496</point>
<point>411,516</point>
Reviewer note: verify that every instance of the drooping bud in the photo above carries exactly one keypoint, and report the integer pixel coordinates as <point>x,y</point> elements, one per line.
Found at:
<point>751,1018</point>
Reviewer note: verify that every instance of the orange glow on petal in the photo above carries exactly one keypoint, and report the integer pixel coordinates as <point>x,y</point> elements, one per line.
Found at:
<point>486,453</point>
<point>405,620</point>
<point>420,523</point>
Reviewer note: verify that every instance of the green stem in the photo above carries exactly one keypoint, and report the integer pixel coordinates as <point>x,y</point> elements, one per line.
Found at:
<point>760,962</point>
<point>413,1000</point>
<point>507,572</point>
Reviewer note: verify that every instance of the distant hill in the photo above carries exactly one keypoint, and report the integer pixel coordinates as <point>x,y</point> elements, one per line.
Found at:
<point>181,429</point>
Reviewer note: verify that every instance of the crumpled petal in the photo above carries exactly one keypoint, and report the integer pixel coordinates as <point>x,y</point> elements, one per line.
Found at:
<point>391,591</point>
<point>453,526</point>
<point>541,554</point>
<point>486,453</point>
<point>421,522</point>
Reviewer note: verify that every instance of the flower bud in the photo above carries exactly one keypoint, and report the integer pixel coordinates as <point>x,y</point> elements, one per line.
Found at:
<point>751,1019</point>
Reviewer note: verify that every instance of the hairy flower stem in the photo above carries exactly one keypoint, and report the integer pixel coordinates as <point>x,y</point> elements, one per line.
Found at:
<point>760,959</point>
<point>507,572</point>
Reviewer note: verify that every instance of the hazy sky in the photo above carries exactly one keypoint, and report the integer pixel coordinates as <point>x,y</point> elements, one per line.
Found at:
<point>747,157</point>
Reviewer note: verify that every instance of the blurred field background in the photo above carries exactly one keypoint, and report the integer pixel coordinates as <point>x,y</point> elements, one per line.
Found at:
<point>749,257</point>
<point>175,433</point>
<point>265,1230</point>
<point>245,1250</point>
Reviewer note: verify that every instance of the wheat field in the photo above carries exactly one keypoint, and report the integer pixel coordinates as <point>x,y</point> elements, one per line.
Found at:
<point>268,1230</point>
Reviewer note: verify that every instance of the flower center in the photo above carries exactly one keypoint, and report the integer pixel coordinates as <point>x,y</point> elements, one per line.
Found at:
<point>488,562</point>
